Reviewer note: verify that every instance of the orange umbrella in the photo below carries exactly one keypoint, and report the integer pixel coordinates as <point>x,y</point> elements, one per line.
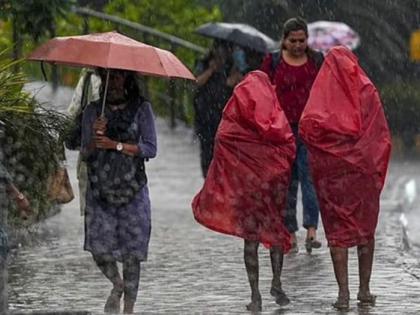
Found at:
<point>111,50</point>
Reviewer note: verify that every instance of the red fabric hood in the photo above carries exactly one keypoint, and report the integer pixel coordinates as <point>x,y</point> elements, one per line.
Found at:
<point>245,189</point>
<point>349,144</point>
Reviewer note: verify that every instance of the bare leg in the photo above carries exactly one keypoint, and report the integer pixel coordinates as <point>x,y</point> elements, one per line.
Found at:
<point>276,256</point>
<point>311,233</point>
<point>109,268</point>
<point>365,255</point>
<point>340,260</point>
<point>131,274</point>
<point>252,269</point>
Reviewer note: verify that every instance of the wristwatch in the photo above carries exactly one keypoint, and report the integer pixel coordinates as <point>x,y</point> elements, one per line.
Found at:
<point>20,196</point>
<point>119,146</point>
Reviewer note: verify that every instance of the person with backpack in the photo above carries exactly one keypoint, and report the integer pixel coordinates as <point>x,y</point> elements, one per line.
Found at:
<point>292,70</point>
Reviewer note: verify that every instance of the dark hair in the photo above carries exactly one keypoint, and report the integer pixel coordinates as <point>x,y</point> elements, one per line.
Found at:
<point>131,85</point>
<point>293,25</point>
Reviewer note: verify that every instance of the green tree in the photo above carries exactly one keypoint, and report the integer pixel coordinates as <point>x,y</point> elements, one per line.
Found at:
<point>31,142</point>
<point>175,17</point>
<point>34,18</point>
<point>384,26</point>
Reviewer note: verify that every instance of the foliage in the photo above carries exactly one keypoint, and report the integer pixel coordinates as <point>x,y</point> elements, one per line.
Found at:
<point>402,108</point>
<point>384,26</point>
<point>34,17</point>
<point>31,143</point>
<point>176,17</point>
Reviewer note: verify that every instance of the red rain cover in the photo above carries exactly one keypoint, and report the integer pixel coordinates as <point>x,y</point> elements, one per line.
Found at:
<point>349,144</point>
<point>244,193</point>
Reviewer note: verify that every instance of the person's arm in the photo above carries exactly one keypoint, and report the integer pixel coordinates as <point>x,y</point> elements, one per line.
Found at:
<point>146,145</point>
<point>14,194</point>
<point>204,76</point>
<point>20,199</point>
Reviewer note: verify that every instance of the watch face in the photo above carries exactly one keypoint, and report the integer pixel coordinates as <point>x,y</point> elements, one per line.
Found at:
<point>119,146</point>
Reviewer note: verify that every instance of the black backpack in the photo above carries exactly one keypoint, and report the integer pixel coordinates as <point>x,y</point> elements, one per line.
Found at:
<point>316,56</point>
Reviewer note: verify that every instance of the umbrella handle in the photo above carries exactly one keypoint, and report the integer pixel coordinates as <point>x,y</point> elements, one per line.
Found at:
<point>105,92</point>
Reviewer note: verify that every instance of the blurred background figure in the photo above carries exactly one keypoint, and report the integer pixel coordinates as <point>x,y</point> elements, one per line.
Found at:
<point>86,91</point>
<point>212,93</point>
<point>237,49</point>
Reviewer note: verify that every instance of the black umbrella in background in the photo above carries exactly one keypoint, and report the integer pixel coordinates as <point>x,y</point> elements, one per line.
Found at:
<point>240,34</point>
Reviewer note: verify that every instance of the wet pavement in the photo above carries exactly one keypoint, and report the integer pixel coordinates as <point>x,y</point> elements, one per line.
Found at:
<point>192,270</point>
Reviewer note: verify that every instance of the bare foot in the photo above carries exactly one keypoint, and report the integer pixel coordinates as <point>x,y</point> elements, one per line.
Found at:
<point>342,303</point>
<point>366,298</point>
<point>279,295</point>
<point>112,305</point>
<point>255,305</point>
<point>311,243</point>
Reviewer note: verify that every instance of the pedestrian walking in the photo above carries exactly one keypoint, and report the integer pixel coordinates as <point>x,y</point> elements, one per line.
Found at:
<point>349,150</point>
<point>8,193</point>
<point>211,96</point>
<point>86,92</point>
<point>217,75</point>
<point>118,220</point>
<point>293,70</point>
<point>244,193</point>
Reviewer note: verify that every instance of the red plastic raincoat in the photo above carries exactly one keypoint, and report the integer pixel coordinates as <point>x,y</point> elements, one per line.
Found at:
<point>245,190</point>
<point>349,144</point>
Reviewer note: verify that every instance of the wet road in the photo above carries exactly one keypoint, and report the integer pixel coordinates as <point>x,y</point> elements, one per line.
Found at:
<point>192,270</point>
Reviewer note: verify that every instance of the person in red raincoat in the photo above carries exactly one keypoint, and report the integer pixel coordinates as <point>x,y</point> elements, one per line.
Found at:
<point>244,193</point>
<point>349,143</point>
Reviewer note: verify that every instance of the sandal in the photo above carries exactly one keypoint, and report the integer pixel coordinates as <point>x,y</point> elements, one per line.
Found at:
<point>280,296</point>
<point>255,306</point>
<point>342,303</point>
<point>312,243</point>
<point>294,249</point>
<point>368,299</point>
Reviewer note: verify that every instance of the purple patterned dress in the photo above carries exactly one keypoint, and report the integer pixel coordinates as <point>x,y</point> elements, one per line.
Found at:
<point>117,231</point>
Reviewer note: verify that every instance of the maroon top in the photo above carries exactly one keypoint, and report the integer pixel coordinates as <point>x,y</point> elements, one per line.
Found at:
<point>293,84</point>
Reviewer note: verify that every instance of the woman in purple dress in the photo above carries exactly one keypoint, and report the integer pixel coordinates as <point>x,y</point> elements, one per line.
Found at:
<point>118,221</point>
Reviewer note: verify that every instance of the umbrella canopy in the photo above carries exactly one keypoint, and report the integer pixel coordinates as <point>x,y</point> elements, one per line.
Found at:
<point>323,35</point>
<point>112,50</point>
<point>241,34</point>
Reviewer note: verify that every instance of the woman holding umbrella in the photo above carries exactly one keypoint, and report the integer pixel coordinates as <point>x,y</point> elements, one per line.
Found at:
<point>118,136</point>
<point>118,222</point>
